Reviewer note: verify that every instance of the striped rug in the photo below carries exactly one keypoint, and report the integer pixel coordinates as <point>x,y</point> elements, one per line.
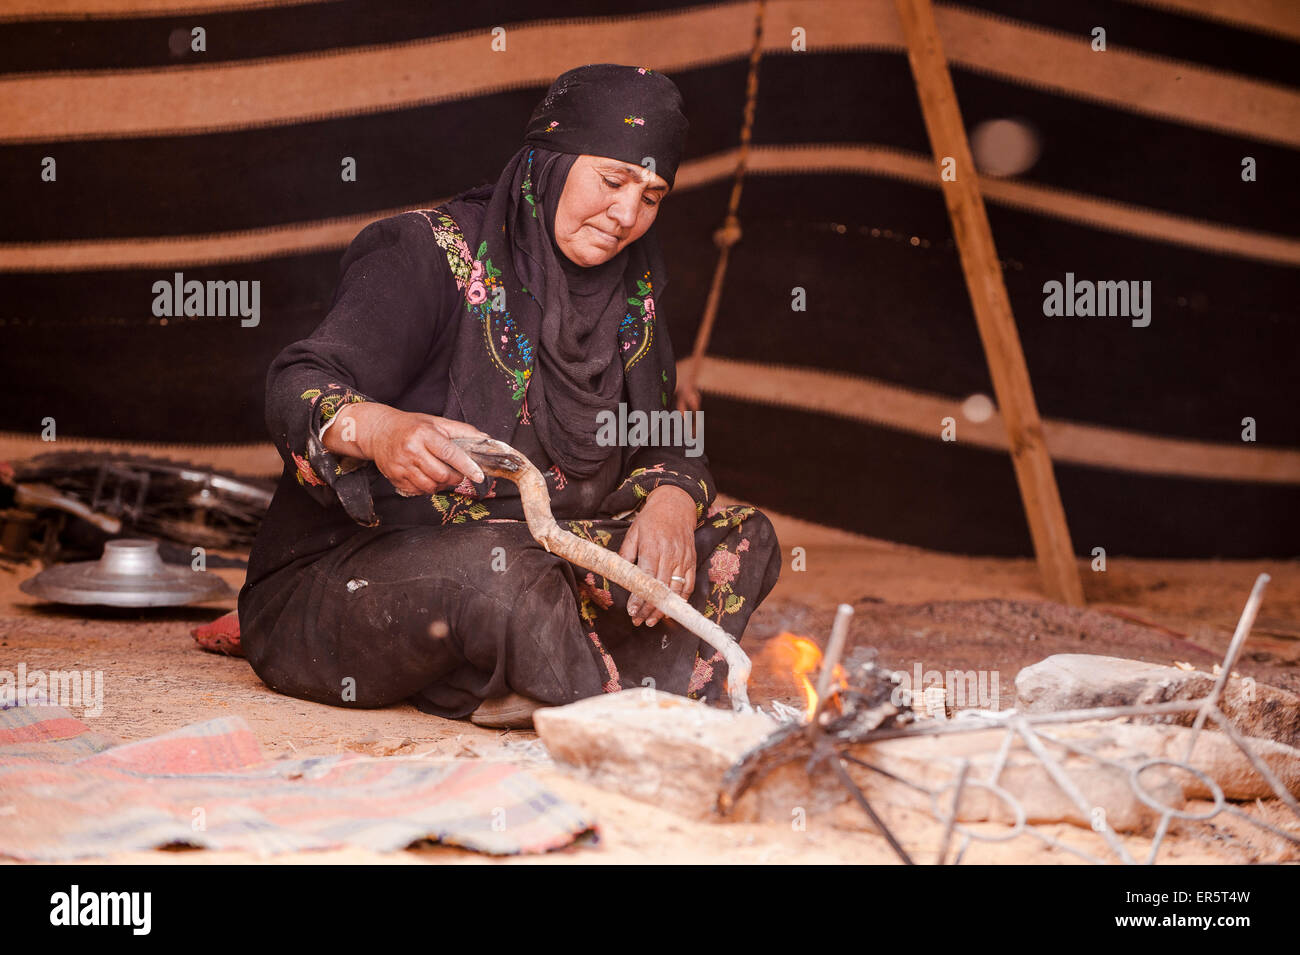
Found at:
<point>208,786</point>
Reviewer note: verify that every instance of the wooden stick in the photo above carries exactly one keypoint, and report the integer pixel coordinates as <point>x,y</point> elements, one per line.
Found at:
<point>951,821</point>
<point>1244,626</point>
<point>500,460</point>
<point>988,293</point>
<point>834,650</point>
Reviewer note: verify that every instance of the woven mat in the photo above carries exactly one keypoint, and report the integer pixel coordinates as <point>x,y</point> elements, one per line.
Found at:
<point>67,792</point>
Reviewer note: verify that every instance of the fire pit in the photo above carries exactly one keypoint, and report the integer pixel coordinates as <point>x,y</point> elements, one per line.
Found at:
<point>990,776</point>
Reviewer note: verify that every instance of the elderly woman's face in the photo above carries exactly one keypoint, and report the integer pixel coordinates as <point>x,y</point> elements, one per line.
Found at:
<point>606,205</point>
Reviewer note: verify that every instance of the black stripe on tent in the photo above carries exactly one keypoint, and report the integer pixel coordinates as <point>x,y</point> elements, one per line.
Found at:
<point>182,185</point>
<point>960,499</point>
<point>1140,29</point>
<point>85,348</point>
<point>231,36</point>
<point>1143,161</point>
<point>190,381</point>
<point>1085,147</point>
<point>881,307</point>
<point>877,306</point>
<point>856,476</point>
<point>218,182</point>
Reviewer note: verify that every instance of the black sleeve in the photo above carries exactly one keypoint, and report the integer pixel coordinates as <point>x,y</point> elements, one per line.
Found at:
<point>391,301</point>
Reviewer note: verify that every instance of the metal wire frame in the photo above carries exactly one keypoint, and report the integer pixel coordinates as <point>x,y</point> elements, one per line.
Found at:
<point>835,753</point>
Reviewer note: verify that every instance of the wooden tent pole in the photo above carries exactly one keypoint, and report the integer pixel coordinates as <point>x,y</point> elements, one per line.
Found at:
<point>988,294</point>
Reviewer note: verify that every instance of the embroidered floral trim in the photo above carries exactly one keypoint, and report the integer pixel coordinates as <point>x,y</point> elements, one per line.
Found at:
<point>466,488</point>
<point>457,508</point>
<point>305,473</point>
<point>329,400</point>
<point>527,187</point>
<point>480,281</point>
<point>638,323</point>
<point>591,596</point>
<point>464,503</point>
<point>325,404</point>
<point>586,531</point>
<point>510,349</point>
<point>612,685</point>
<point>731,516</point>
<point>724,565</point>
<point>645,479</point>
<point>702,675</point>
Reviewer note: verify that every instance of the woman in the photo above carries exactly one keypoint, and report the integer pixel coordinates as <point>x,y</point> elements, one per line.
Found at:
<point>388,567</point>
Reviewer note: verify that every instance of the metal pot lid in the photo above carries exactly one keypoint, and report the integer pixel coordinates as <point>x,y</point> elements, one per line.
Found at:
<point>130,574</point>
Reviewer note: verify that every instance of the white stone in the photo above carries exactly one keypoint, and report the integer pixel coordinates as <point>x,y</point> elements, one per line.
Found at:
<point>1074,681</point>
<point>674,752</point>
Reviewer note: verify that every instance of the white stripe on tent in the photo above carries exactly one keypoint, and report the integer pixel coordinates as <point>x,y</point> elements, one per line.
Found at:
<point>184,100</point>
<point>919,412</point>
<point>830,393</point>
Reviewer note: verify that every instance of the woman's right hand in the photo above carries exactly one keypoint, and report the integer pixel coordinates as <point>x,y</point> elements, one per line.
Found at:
<point>414,451</point>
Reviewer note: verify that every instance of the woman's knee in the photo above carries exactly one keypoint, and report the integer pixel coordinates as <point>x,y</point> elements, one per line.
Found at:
<point>751,531</point>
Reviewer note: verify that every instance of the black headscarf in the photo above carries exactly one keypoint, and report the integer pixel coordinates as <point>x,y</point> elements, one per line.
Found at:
<point>623,112</point>
<point>564,337</point>
<point>576,376</point>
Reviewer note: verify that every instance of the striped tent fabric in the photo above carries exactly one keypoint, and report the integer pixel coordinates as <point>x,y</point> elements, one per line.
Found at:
<point>212,140</point>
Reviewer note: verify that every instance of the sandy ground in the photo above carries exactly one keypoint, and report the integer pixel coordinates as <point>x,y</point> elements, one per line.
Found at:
<point>911,605</point>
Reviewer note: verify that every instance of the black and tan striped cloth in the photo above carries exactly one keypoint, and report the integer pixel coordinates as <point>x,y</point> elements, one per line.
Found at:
<point>129,155</point>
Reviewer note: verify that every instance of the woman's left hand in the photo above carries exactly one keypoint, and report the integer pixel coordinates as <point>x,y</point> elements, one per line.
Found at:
<point>661,541</point>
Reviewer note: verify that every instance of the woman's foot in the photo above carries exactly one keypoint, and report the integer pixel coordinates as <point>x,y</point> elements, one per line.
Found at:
<point>511,712</point>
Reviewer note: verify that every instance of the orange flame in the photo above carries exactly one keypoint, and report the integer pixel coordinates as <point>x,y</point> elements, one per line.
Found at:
<point>803,658</point>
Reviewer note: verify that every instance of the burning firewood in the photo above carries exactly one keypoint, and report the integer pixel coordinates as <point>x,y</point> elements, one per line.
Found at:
<point>867,701</point>
<point>500,460</point>
<point>843,710</point>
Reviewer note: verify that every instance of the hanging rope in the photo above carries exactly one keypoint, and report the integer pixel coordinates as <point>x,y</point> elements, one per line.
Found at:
<point>688,395</point>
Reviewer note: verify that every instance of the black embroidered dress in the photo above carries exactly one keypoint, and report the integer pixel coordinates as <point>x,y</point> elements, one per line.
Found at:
<point>359,596</point>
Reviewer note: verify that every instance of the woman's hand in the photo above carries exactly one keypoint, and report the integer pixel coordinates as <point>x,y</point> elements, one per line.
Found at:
<point>661,541</point>
<point>414,451</point>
